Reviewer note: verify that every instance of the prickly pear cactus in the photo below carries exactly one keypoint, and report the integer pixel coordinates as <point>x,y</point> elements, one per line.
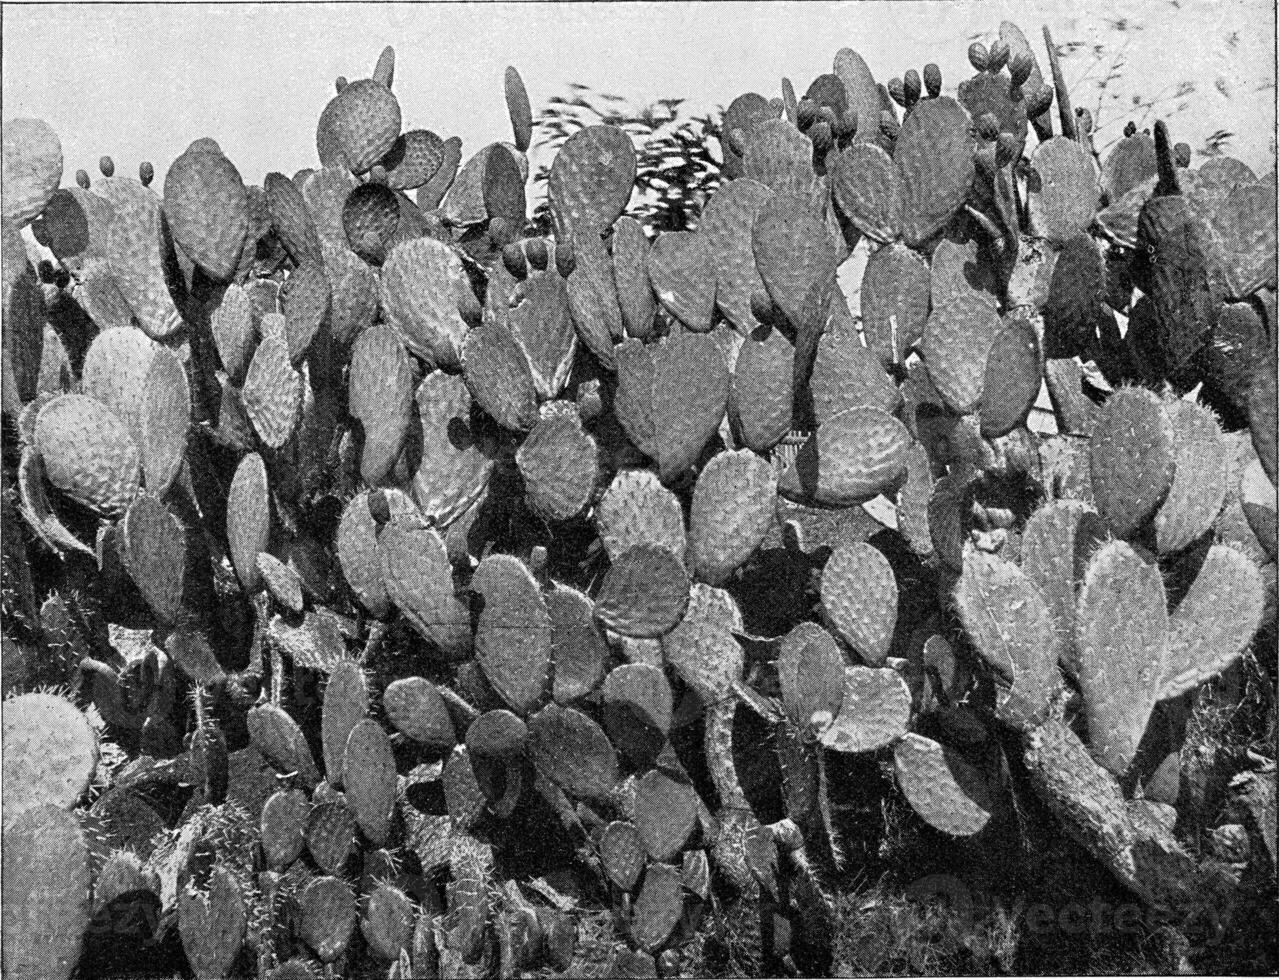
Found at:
<point>548,589</point>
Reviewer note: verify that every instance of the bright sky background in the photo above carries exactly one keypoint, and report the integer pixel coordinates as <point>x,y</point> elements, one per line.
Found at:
<point>142,82</point>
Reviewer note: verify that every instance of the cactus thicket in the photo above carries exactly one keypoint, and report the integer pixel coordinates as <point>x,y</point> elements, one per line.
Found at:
<point>378,561</point>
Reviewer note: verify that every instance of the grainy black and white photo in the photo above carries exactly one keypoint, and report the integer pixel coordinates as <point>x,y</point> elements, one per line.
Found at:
<point>507,490</point>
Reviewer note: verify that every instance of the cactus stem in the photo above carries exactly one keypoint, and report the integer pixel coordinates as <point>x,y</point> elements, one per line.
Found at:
<point>1067,114</point>
<point>1168,183</point>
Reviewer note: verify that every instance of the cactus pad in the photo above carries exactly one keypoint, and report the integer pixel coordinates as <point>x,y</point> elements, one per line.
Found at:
<point>947,791</point>
<point>1009,623</point>
<point>50,753</point>
<point>369,778</point>
<point>327,914</point>
<point>1214,623</point>
<point>591,180</point>
<point>761,394</point>
<point>637,509</point>
<point>1132,456</point>
<point>934,158</point>
<point>645,592</point>
<point>732,511</point>
<point>875,711</point>
<point>513,633</point>
<point>212,926</point>
<point>727,223</point>
<point>852,457</point>
<point>1198,488</point>
<point>682,273</point>
<point>1063,190</point>
<point>558,461</point>
<point>895,294</point>
<point>46,891</point>
<point>572,750</point>
<point>1121,640</point>
<point>859,596</point>
<point>419,581</point>
<point>208,210</point>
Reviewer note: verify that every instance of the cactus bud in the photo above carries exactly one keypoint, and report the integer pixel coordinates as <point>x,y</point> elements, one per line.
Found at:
<point>1181,153</point>
<point>1040,102</point>
<point>82,178</point>
<point>107,166</point>
<point>565,260</point>
<point>998,55</point>
<point>978,57</point>
<point>805,113</point>
<point>1005,149</point>
<point>1130,129</point>
<point>1020,68</point>
<point>1083,120</point>
<point>912,88</point>
<point>514,260</point>
<point>340,83</point>
<point>932,80</point>
<point>987,126</point>
<point>897,91</point>
<point>537,254</point>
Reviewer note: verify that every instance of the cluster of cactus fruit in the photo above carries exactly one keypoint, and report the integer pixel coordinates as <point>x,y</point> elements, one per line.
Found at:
<point>355,544</point>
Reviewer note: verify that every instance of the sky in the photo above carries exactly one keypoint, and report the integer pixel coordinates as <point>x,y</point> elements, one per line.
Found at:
<point>141,82</point>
